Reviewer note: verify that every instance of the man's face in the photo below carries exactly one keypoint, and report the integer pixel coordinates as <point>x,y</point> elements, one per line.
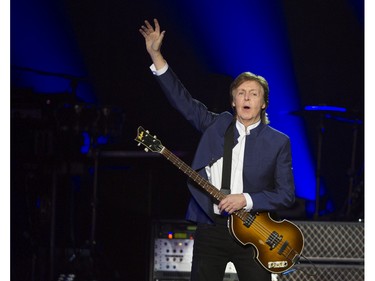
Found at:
<point>248,99</point>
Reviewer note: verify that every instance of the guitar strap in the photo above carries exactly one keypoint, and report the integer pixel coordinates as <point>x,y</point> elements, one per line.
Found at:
<point>227,158</point>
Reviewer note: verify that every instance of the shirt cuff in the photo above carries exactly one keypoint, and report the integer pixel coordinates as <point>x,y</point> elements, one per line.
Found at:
<point>249,202</point>
<point>160,71</point>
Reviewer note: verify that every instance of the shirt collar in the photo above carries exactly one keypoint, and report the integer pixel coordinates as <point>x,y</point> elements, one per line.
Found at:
<point>243,130</point>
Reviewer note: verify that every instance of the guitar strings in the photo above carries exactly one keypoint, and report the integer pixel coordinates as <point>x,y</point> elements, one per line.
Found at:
<point>197,177</point>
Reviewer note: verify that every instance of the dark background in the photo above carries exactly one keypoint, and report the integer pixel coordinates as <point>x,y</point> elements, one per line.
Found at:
<point>57,226</point>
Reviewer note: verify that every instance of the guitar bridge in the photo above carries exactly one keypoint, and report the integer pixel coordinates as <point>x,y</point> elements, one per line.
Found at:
<point>274,239</point>
<point>283,247</point>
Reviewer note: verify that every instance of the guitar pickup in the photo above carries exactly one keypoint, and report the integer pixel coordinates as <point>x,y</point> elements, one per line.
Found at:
<point>274,239</point>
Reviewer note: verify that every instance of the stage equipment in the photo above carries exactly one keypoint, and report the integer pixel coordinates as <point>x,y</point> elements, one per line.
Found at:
<point>337,113</point>
<point>171,252</point>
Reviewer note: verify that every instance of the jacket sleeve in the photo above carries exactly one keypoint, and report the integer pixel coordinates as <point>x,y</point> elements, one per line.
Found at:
<point>179,97</point>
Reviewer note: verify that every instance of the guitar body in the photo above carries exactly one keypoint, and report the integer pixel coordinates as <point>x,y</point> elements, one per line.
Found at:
<point>289,240</point>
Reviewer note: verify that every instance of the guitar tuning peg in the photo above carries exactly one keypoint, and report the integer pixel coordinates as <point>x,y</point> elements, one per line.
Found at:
<point>147,131</point>
<point>146,149</point>
<point>155,137</point>
<point>139,144</point>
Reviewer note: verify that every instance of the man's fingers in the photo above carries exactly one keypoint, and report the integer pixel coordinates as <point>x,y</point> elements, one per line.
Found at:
<point>157,26</point>
<point>161,36</point>
<point>149,26</point>
<point>142,30</point>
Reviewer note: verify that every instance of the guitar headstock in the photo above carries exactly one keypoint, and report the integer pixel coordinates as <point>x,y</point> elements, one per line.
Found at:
<point>149,141</point>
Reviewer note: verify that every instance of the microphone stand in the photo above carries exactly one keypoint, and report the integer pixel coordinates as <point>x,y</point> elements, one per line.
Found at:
<point>94,199</point>
<point>318,167</point>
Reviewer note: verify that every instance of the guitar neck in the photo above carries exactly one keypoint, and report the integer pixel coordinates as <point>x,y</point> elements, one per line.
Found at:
<point>201,181</point>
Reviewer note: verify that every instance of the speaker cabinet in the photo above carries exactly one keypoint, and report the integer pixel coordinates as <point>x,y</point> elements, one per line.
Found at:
<point>333,241</point>
<point>325,272</point>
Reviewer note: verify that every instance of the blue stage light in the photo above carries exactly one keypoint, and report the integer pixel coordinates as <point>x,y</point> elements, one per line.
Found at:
<point>45,57</point>
<point>324,108</point>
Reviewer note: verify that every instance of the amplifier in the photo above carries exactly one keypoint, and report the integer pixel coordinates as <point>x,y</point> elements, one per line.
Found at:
<point>333,241</point>
<point>333,251</point>
<point>172,249</point>
<point>325,272</point>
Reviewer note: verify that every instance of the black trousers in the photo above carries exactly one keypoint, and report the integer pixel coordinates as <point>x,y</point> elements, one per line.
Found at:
<point>214,247</point>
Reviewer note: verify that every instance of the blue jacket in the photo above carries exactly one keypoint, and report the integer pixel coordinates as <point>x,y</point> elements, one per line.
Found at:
<point>267,172</point>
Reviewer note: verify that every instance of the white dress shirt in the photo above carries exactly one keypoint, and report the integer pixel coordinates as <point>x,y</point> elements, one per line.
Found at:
<point>214,172</point>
